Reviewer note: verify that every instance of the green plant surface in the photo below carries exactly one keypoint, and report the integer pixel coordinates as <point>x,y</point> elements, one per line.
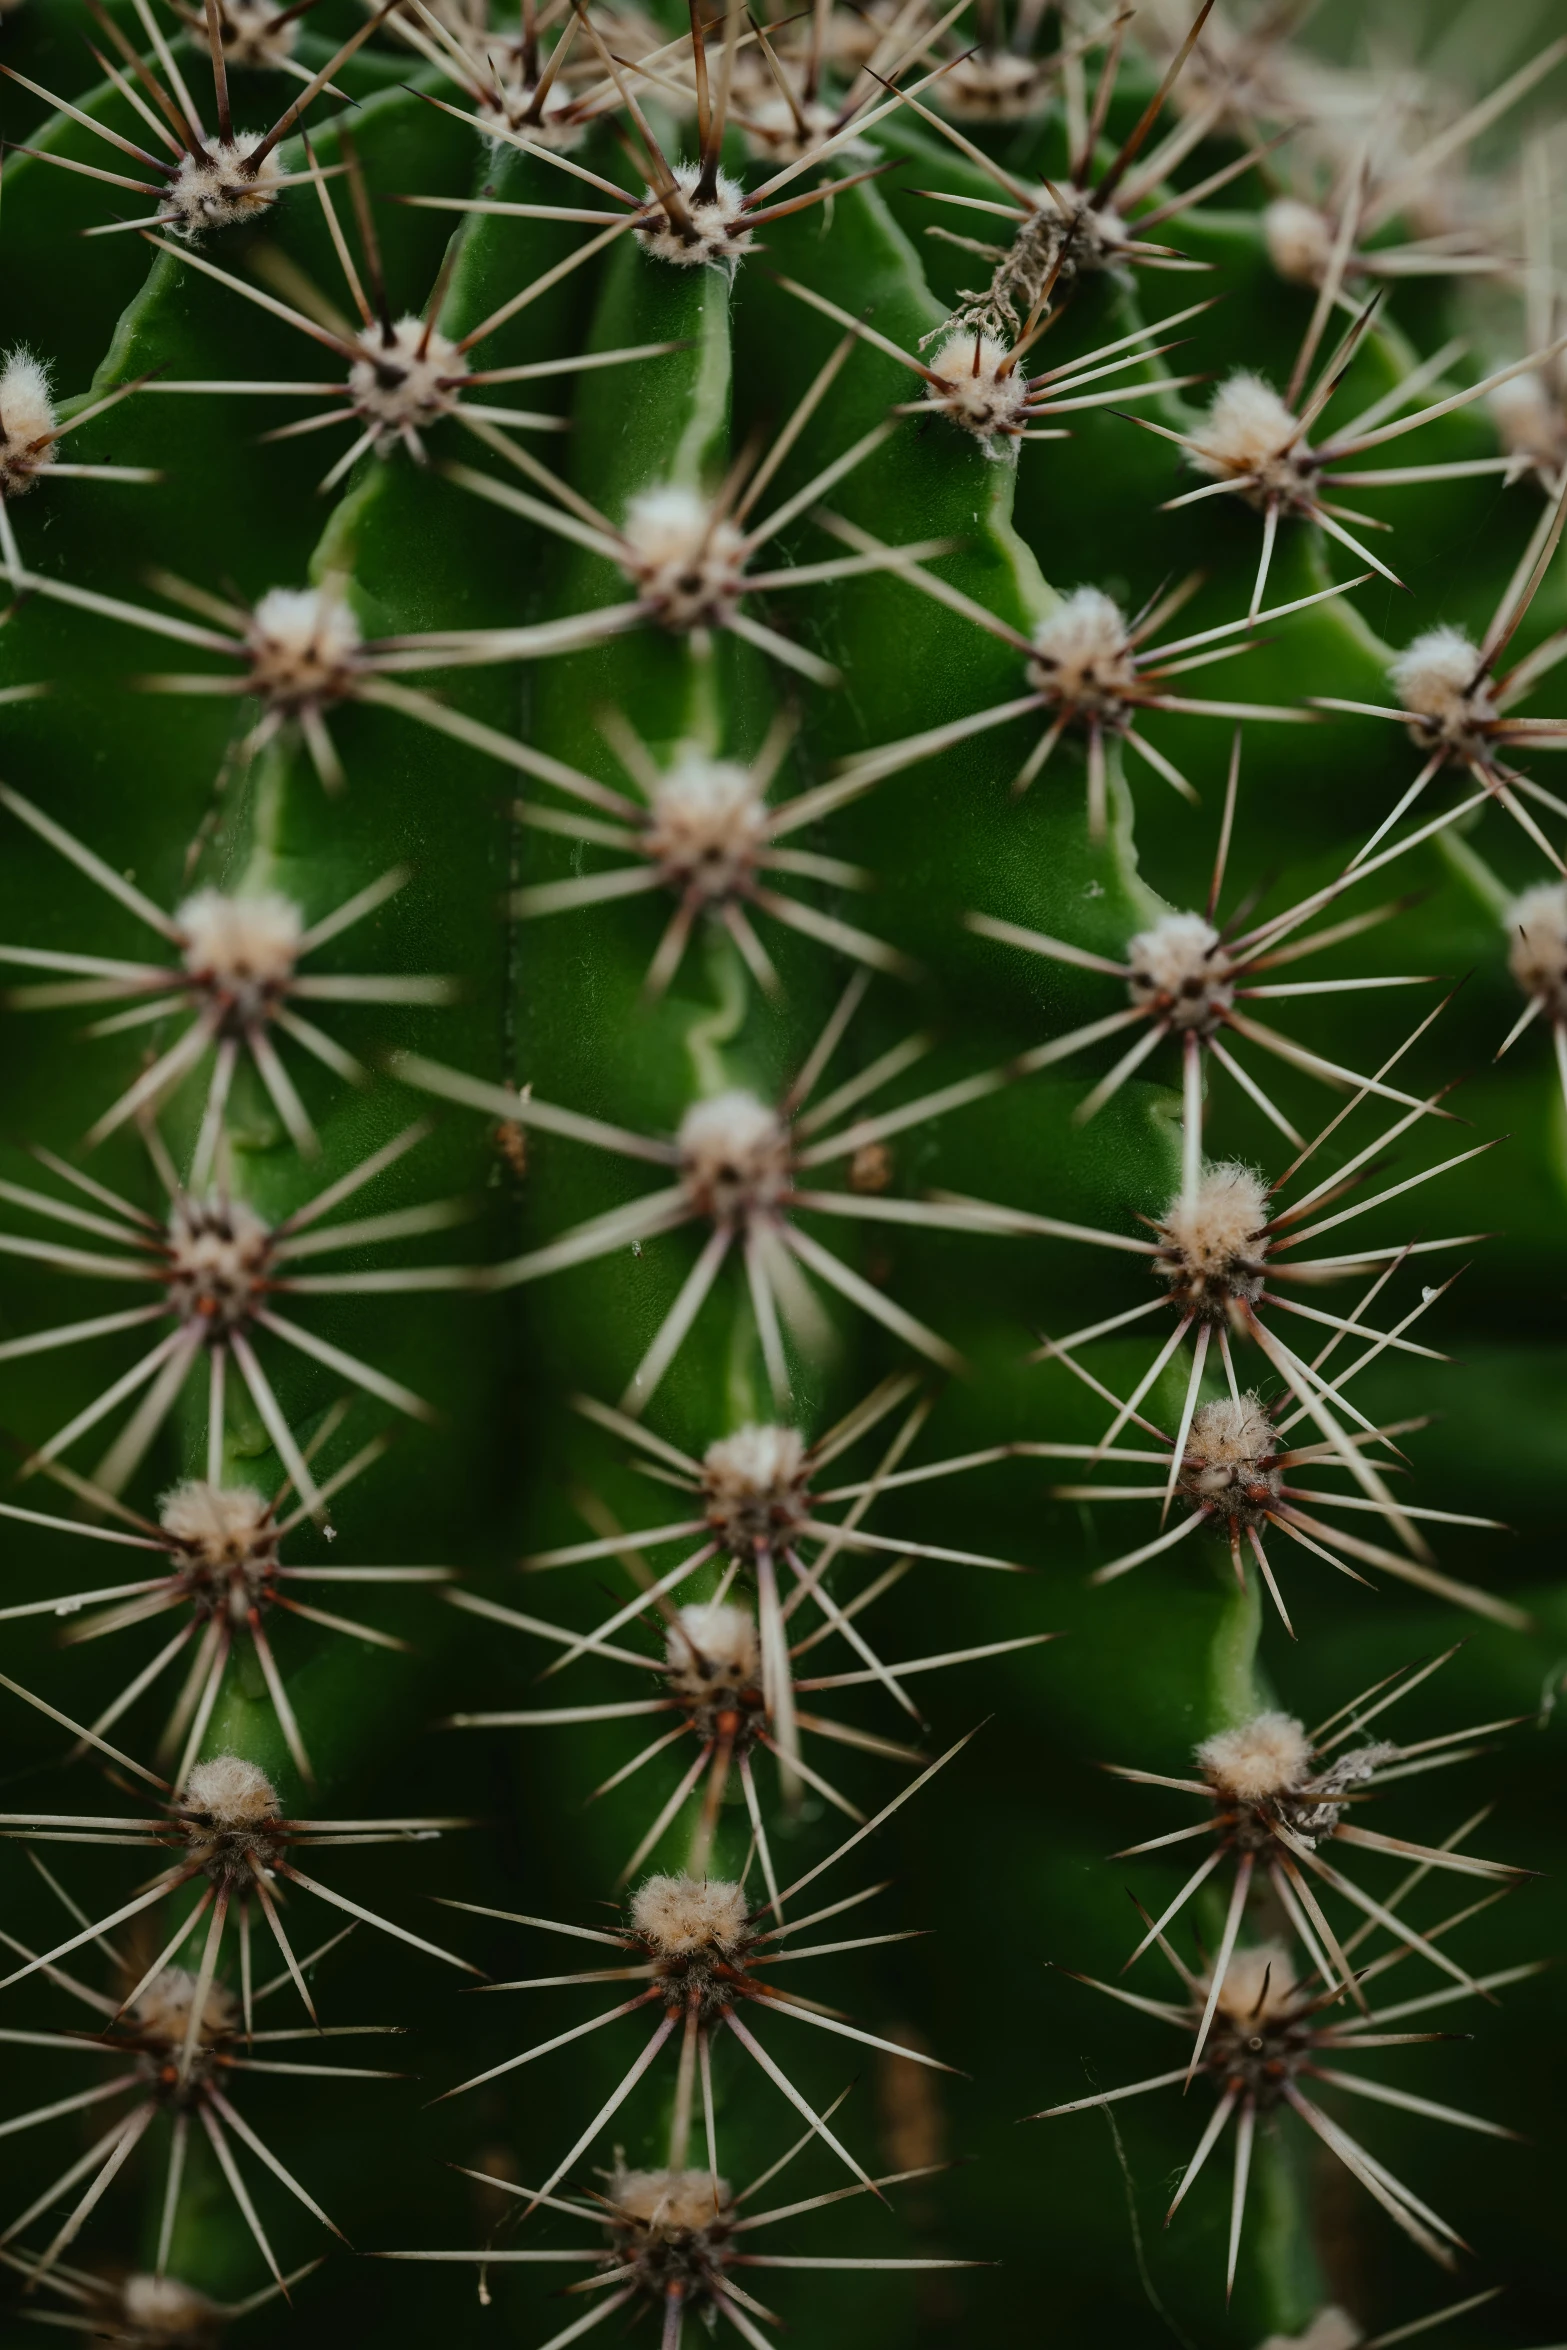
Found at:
<point>1000,1860</point>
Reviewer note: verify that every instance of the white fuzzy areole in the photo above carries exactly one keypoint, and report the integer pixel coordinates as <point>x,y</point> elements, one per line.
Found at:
<point>162,2012</point>
<point>1227,1433</point>
<point>243,947</point>
<point>710,231</point>
<point>1330,2329</point>
<point>509,102</point>
<point>677,1916</point>
<point>161,2308</point>
<point>1530,421</point>
<point>1232,78</point>
<point>1438,679</point>
<point>1218,1236</point>
<point>757,1463</point>
<point>714,1644</point>
<point>1180,968</point>
<point>1537,952</point>
<point>223,1522</point>
<point>1250,437</point>
<point>405,379</point>
<point>669,2202</point>
<point>852,36</point>
<point>980,388</point>
<point>1083,654</point>
<point>706,824</point>
<point>754,1485</point>
<point>303,645</point>
<point>734,1156</point>
<point>684,563</point>
<point>1259,1761</point>
<point>1230,1462</point>
<point>217,186</point>
<point>1258,1984</point>
<point>225,1541</point>
<point>27,422</point>
<point>556,125</point>
<point>1092,236</point>
<point>775,131</point>
<point>230,1792</point>
<point>1299,241</point>
<point>995,85</point>
<point>257,35</point>
<point>219,1259</point>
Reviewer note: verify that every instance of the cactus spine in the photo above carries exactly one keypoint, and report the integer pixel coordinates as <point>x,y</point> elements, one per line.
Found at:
<point>609,970</point>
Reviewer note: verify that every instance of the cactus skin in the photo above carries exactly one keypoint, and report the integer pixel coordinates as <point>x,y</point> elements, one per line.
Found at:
<point>1002,1854</point>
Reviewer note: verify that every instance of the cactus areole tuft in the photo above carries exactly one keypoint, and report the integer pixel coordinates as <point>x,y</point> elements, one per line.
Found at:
<point>783,991</point>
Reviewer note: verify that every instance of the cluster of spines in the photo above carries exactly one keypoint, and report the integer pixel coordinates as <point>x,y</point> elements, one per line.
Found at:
<point>739,1167</point>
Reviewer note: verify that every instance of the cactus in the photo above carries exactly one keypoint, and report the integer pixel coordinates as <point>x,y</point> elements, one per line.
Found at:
<point>707,877</point>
